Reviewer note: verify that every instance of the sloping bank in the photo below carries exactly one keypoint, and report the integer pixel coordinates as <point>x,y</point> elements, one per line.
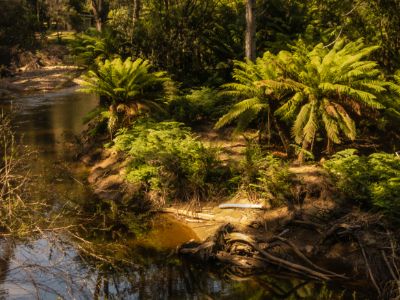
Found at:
<point>315,235</point>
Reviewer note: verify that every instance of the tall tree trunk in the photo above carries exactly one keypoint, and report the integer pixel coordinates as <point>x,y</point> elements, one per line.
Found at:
<point>250,38</point>
<point>136,11</point>
<point>99,13</point>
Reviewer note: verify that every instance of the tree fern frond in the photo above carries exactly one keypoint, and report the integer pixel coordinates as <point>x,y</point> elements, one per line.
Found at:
<point>237,110</point>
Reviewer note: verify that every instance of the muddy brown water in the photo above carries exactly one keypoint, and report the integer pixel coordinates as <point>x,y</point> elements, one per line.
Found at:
<point>49,267</point>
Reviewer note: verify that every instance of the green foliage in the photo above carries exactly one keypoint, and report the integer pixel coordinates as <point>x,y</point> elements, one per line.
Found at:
<point>256,99</point>
<point>198,106</point>
<point>265,176</point>
<point>128,87</point>
<point>185,37</point>
<point>92,47</point>
<point>255,102</point>
<point>323,87</point>
<point>287,20</point>
<point>316,91</point>
<point>169,162</point>
<point>371,181</point>
<point>376,21</point>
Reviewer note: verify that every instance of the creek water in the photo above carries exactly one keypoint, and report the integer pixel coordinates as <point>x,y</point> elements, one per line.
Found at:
<point>49,266</point>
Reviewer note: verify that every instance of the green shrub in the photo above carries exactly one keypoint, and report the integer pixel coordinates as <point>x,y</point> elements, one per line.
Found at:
<point>169,162</point>
<point>265,176</point>
<point>199,105</point>
<point>372,181</point>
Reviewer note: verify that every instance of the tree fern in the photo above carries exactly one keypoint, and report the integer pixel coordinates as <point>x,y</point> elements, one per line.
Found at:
<point>254,99</point>
<point>129,88</point>
<point>324,87</point>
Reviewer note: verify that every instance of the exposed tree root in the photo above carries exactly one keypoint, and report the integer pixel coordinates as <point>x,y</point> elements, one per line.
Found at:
<point>373,248</point>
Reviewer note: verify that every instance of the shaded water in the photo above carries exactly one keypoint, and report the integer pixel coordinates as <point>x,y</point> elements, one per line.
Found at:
<point>51,267</point>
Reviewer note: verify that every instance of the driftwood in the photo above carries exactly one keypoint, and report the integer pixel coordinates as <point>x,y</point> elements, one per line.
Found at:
<point>374,248</point>
<point>241,250</point>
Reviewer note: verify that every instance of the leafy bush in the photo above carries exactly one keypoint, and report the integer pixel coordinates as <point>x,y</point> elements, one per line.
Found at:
<point>372,181</point>
<point>169,162</point>
<point>265,176</point>
<point>199,105</point>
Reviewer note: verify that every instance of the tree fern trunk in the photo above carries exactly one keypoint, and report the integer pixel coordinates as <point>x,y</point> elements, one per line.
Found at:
<point>304,147</point>
<point>281,133</point>
<point>329,146</point>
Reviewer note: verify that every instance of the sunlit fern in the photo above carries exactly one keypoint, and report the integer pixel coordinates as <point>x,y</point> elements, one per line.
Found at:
<point>254,100</point>
<point>129,88</point>
<point>324,87</point>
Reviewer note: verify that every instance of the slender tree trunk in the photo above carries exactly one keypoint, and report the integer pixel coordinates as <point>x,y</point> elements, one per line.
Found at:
<point>38,12</point>
<point>250,38</point>
<point>329,147</point>
<point>304,147</point>
<point>282,134</point>
<point>136,11</point>
<point>99,13</point>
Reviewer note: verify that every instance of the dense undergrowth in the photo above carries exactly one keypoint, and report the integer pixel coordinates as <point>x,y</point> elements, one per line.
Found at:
<point>170,163</point>
<point>263,177</point>
<point>372,181</point>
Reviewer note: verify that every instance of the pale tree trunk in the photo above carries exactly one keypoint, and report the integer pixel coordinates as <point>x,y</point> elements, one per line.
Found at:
<point>99,13</point>
<point>136,11</point>
<point>250,38</point>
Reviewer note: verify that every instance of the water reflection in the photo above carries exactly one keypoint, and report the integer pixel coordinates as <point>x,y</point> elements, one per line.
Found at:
<point>48,121</point>
<point>50,268</point>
